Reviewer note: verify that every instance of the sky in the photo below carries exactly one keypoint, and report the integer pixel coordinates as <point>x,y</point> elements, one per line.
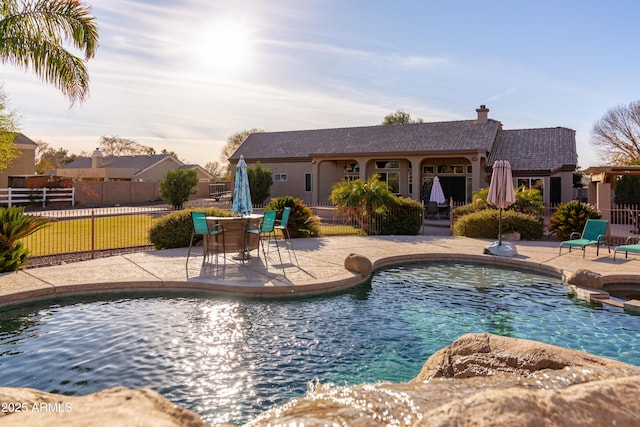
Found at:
<point>184,75</point>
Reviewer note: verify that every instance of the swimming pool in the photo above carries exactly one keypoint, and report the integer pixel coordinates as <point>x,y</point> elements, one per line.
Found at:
<point>230,359</point>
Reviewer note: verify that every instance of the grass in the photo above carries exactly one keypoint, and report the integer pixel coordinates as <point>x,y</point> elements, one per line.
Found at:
<point>80,235</point>
<point>117,232</point>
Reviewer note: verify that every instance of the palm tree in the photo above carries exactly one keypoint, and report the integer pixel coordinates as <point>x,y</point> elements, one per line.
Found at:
<point>15,226</point>
<point>361,199</point>
<point>31,37</point>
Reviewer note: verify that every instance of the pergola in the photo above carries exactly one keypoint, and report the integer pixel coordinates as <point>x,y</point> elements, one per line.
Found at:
<point>602,184</point>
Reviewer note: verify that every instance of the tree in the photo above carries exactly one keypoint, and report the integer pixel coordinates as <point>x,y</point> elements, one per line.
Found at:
<point>216,169</point>
<point>260,183</point>
<point>177,185</point>
<point>616,136</point>
<point>8,131</point>
<point>399,118</point>
<point>32,35</point>
<point>117,146</point>
<point>49,159</point>
<point>235,140</point>
<point>361,199</point>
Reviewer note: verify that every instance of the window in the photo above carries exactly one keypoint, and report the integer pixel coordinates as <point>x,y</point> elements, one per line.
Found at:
<point>387,164</point>
<point>458,169</point>
<point>280,177</point>
<point>428,169</point>
<point>307,182</point>
<point>529,183</point>
<point>392,179</point>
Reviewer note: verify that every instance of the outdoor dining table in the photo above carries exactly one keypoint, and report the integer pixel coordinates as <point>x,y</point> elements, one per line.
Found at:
<point>235,237</point>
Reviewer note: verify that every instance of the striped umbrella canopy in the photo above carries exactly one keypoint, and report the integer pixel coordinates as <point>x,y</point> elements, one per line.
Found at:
<point>241,193</point>
<point>437,195</point>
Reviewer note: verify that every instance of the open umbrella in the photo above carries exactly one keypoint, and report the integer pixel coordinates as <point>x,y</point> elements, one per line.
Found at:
<point>241,193</point>
<point>437,195</point>
<point>501,193</point>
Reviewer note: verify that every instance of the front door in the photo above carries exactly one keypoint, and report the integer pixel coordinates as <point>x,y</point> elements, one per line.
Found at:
<point>454,186</point>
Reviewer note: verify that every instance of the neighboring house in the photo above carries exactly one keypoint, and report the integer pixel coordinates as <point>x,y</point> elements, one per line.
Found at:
<point>22,167</point>
<point>306,164</point>
<point>140,168</point>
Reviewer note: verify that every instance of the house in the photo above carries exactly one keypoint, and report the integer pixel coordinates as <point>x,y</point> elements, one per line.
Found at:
<point>140,168</point>
<point>307,163</point>
<point>22,167</point>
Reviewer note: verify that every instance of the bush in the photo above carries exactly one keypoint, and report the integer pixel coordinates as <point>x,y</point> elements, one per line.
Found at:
<point>260,182</point>
<point>404,218</point>
<point>302,222</point>
<point>571,217</point>
<point>484,225</point>
<point>174,230</point>
<point>177,185</point>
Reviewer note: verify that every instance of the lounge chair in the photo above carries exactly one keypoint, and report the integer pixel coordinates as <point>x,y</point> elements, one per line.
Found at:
<point>594,233</point>
<point>628,247</point>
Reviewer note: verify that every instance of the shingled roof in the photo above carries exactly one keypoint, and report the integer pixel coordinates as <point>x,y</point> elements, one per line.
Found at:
<point>137,162</point>
<point>543,149</point>
<point>464,135</point>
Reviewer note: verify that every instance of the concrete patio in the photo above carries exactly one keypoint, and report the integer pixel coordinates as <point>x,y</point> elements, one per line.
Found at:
<point>321,268</point>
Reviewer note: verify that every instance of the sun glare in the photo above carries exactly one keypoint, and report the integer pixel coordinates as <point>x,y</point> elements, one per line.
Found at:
<point>224,46</point>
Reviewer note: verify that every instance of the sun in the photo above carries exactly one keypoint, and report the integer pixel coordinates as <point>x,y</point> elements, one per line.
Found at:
<point>225,45</point>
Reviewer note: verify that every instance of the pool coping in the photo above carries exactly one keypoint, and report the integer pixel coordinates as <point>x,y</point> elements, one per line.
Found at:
<point>137,276</point>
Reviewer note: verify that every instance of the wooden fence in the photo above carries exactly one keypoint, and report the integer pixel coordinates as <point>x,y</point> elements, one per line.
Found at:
<point>41,196</point>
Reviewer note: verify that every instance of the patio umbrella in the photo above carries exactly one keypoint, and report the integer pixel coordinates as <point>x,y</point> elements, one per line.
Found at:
<point>501,193</point>
<point>437,195</point>
<point>241,193</point>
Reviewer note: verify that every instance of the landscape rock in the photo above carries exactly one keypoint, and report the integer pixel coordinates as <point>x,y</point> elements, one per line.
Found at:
<point>114,407</point>
<point>481,380</point>
<point>585,279</point>
<point>358,264</point>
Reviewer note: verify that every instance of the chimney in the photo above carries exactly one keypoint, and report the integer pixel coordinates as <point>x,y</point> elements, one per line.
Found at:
<point>483,114</point>
<point>97,159</point>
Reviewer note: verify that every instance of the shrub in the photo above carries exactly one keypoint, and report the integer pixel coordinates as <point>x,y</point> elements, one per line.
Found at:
<point>404,218</point>
<point>484,225</point>
<point>177,185</point>
<point>15,226</point>
<point>571,217</point>
<point>174,230</point>
<point>302,222</point>
<point>260,183</point>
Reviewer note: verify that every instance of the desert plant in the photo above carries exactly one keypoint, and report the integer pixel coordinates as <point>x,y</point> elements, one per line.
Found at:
<point>484,225</point>
<point>361,199</point>
<point>260,183</point>
<point>174,230</point>
<point>571,217</point>
<point>302,222</point>
<point>16,226</point>
<point>177,185</point>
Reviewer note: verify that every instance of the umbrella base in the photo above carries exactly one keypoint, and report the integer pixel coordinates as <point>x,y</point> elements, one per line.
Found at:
<point>504,249</point>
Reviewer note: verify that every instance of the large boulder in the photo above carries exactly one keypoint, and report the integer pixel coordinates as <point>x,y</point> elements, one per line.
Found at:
<point>481,379</point>
<point>585,279</point>
<point>358,264</point>
<point>114,407</point>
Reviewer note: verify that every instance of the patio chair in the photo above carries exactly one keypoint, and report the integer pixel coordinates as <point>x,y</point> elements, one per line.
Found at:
<point>286,237</point>
<point>266,231</point>
<point>594,233</point>
<point>628,247</point>
<point>432,210</point>
<point>201,227</point>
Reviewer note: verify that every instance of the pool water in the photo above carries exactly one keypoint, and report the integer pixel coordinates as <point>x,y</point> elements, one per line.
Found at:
<point>230,359</point>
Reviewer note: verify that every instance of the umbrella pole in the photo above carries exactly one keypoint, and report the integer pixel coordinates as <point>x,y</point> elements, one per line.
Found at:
<point>500,228</point>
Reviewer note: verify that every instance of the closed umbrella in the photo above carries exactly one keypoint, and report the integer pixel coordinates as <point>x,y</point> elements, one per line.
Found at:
<point>241,193</point>
<point>501,193</point>
<point>437,195</point>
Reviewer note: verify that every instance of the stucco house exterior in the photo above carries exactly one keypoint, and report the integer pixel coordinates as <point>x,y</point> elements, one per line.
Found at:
<point>139,168</point>
<point>23,166</point>
<point>307,163</point>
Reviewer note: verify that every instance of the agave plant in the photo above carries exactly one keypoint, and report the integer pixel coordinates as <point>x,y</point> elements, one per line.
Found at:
<point>15,227</point>
<point>571,217</point>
